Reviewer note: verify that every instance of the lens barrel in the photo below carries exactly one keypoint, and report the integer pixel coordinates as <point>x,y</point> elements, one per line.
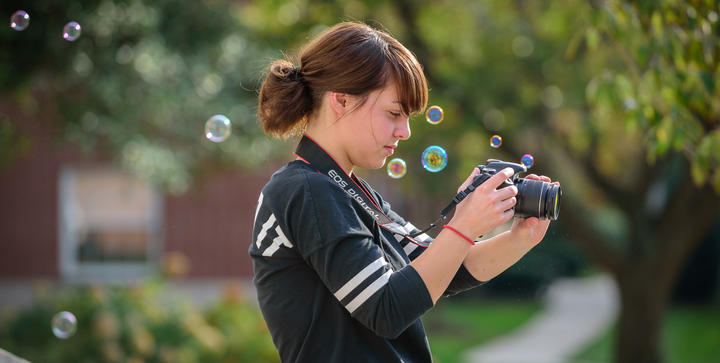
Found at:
<point>537,198</point>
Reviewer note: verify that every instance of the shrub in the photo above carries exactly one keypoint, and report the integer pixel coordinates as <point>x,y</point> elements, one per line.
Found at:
<point>141,323</point>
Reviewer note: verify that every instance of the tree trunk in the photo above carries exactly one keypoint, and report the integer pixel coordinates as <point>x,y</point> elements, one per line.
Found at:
<point>646,278</point>
<point>643,300</point>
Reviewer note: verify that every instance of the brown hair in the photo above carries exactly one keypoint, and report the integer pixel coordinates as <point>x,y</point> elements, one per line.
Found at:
<point>350,58</point>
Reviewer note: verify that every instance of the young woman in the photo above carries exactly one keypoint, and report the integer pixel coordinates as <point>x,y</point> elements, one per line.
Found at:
<point>338,275</point>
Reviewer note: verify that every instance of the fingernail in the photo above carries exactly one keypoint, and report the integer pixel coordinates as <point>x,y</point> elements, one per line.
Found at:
<point>508,171</point>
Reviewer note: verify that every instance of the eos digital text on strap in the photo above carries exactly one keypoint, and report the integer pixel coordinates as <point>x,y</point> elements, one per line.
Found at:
<point>312,153</point>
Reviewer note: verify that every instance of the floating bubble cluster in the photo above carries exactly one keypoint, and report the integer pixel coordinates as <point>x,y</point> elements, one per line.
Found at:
<point>217,128</point>
<point>19,20</point>
<point>64,324</point>
<point>396,168</point>
<point>71,31</point>
<point>495,141</point>
<point>527,160</point>
<point>434,159</point>
<point>434,115</point>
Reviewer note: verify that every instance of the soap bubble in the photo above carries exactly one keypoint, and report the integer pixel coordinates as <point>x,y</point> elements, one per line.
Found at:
<point>396,168</point>
<point>434,115</point>
<point>64,324</point>
<point>71,31</point>
<point>496,141</point>
<point>527,160</point>
<point>217,128</point>
<point>434,159</point>
<point>19,20</point>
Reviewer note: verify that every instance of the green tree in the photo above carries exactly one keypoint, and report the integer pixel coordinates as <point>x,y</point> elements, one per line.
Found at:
<point>661,86</point>
<point>138,84</point>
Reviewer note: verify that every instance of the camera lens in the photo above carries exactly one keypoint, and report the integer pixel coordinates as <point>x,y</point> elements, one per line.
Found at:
<point>537,198</point>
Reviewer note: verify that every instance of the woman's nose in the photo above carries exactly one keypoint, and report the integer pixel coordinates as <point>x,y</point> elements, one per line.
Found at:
<point>402,130</point>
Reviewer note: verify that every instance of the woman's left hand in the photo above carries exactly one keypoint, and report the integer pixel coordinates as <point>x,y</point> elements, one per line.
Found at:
<point>531,229</point>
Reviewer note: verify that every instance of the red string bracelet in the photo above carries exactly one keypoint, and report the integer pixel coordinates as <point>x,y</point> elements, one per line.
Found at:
<point>459,234</point>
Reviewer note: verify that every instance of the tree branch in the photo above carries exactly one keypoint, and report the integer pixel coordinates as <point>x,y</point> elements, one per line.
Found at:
<point>690,206</point>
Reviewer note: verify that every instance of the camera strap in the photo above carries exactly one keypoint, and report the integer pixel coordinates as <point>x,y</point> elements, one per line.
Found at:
<point>312,153</point>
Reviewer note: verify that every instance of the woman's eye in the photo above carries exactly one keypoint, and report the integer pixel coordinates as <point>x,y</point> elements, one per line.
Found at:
<point>395,114</point>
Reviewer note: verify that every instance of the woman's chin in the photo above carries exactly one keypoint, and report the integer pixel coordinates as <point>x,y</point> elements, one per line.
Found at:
<point>375,164</point>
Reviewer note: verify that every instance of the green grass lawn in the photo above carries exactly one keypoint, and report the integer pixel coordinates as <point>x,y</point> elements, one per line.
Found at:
<point>455,326</point>
<point>691,334</point>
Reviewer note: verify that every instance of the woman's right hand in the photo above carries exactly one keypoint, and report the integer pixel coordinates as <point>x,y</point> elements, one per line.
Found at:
<point>486,207</point>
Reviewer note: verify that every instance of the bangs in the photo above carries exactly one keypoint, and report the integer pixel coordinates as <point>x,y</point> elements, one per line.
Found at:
<point>412,88</point>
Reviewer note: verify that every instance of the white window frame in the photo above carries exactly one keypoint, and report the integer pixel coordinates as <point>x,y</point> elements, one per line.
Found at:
<point>71,269</point>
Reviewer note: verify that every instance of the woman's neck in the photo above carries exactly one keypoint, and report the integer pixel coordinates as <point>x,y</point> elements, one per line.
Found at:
<point>330,143</point>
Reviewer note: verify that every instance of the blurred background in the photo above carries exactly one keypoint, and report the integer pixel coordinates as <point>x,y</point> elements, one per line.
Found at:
<point>116,208</point>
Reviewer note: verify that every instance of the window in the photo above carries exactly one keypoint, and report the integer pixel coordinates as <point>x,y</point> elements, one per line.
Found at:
<point>110,225</point>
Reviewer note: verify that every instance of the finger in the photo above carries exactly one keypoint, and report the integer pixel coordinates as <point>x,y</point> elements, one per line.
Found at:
<point>469,180</point>
<point>507,203</point>
<point>507,215</point>
<point>498,179</point>
<point>532,176</point>
<point>544,178</point>
<point>507,192</point>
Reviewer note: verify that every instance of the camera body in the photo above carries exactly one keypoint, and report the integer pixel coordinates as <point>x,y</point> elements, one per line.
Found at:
<point>535,198</point>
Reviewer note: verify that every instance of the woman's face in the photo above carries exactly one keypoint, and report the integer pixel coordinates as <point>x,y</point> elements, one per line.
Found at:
<point>372,131</point>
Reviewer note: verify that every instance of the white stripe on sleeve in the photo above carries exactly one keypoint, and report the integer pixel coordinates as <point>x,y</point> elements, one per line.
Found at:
<point>369,291</point>
<point>409,247</point>
<point>360,277</point>
<point>409,227</point>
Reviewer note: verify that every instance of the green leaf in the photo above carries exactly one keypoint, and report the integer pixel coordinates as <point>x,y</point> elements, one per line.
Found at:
<point>700,166</point>
<point>708,81</point>
<point>592,38</point>
<point>657,25</point>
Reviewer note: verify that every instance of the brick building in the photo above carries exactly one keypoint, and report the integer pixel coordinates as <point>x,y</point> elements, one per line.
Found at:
<point>70,217</point>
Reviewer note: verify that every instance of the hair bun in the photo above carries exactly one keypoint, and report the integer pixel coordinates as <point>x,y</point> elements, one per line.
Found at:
<point>285,100</point>
<point>286,71</point>
<point>296,74</point>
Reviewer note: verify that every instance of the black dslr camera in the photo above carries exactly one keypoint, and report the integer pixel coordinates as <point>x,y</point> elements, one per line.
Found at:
<point>535,198</point>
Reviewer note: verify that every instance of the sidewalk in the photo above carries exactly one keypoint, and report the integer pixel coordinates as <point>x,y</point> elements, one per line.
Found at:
<point>576,311</point>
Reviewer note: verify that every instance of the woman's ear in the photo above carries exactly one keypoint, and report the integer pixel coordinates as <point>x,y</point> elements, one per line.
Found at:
<point>339,103</point>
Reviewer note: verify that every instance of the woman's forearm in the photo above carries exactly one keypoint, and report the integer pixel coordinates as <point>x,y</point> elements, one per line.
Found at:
<point>438,265</point>
<point>491,257</point>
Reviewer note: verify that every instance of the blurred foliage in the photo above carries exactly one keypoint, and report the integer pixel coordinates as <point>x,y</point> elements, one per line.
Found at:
<point>602,80</point>
<point>666,85</point>
<point>140,82</point>
<point>143,323</point>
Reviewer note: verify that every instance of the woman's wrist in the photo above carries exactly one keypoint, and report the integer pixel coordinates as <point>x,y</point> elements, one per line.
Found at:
<point>459,233</point>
